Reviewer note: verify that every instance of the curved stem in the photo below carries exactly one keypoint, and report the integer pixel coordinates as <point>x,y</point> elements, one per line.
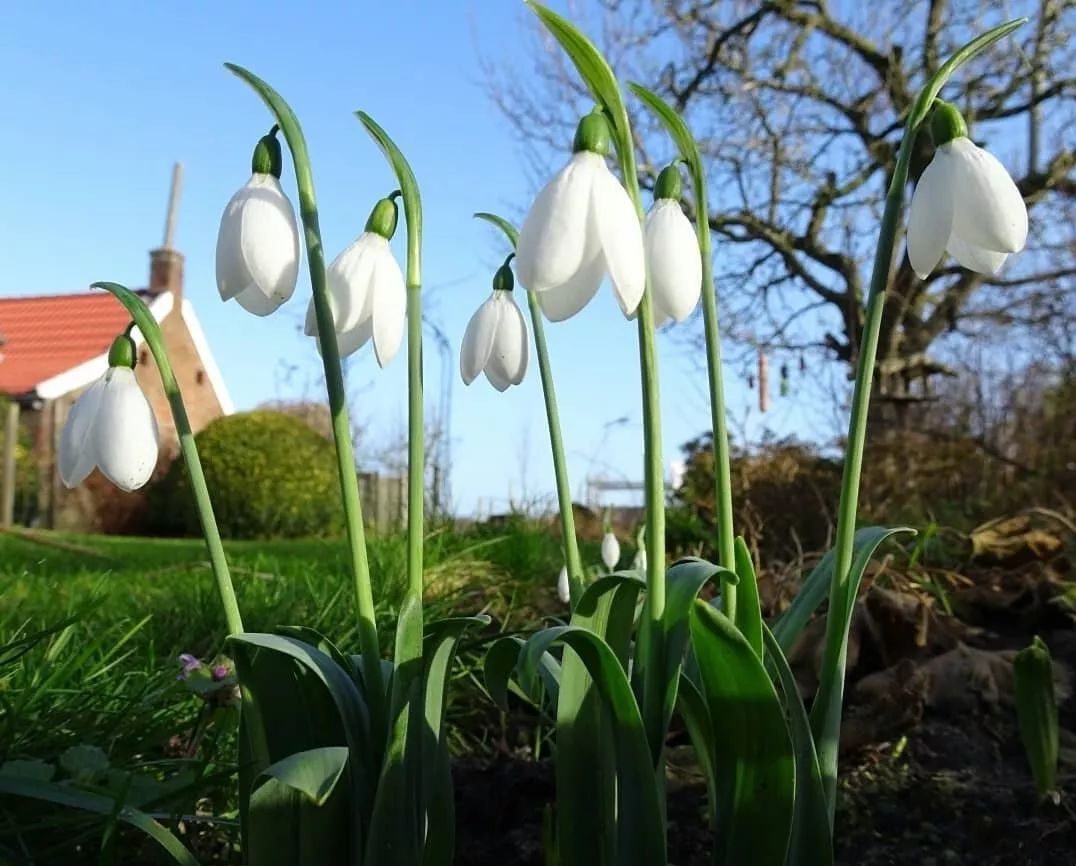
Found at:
<point>151,331</point>
<point>572,560</point>
<point>334,383</point>
<point>826,709</point>
<point>690,156</point>
<point>594,69</point>
<point>409,632</point>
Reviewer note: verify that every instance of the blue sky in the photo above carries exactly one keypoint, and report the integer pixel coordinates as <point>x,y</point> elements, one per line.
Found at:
<point>101,99</point>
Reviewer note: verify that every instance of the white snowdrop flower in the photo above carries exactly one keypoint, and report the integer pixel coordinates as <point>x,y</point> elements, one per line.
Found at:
<point>258,239</point>
<point>366,290</point>
<point>564,590</point>
<point>610,550</point>
<point>581,227</point>
<point>673,260</point>
<point>495,342</point>
<point>111,427</point>
<point>965,204</point>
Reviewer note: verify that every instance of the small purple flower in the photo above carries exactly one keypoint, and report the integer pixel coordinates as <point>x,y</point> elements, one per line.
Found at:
<point>190,664</point>
<point>220,672</point>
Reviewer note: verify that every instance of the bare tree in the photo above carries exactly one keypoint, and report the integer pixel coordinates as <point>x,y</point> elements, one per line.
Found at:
<point>799,106</point>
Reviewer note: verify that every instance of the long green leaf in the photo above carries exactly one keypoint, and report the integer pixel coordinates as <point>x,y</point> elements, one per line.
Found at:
<point>396,827</point>
<point>299,813</point>
<point>640,831</point>
<point>683,582</point>
<point>696,715</point>
<point>811,842</point>
<point>826,709</point>
<point>586,763</point>
<point>501,676</point>
<point>607,608</point>
<point>313,773</point>
<point>748,607</point>
<point>302,700</point>
<point>815,588</point>
<point>64,795</point>
<point>756,770</point>
<point>439,649</point>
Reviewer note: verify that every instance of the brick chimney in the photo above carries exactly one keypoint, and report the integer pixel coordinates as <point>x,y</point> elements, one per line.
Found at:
<point>166,272</point>
<point>166,262</point>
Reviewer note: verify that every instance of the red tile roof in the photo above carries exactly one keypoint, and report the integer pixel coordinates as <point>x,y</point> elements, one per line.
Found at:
<point>45,336</point>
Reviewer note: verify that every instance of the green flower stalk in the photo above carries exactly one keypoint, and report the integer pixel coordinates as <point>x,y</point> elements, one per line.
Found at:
<point>572,560</point>
<point>122,352</point>
<point>689,153</point>
<point>334,382</point>
<point>826,710</point>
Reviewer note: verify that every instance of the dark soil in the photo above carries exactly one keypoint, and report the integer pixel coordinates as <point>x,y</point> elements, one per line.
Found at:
<point>953,791</point>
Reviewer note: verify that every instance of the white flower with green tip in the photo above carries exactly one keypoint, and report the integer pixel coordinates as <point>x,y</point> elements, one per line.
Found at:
<point>111,427</point>
<point>965,204</point>
<point>257,258</point>
<point>581,227</point>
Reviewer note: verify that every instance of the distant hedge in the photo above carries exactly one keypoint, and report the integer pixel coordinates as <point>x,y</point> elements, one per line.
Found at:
<point>269,474</point>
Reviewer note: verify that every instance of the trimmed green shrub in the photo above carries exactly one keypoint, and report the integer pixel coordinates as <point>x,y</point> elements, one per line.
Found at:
<point>269,474</point>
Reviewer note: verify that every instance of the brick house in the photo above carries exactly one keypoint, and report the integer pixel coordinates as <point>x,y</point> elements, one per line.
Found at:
<point>55,346</point>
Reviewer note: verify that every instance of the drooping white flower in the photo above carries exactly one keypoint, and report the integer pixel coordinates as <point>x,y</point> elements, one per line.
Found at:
<point>366,291</point>
<point>495,342</point>
<point>258,239</point>
<point>965,204</point>
<point>673,261</point>
<point>111,427</point>
<point>581,227</point>
<point>564,590</point>
<point>610,550</point>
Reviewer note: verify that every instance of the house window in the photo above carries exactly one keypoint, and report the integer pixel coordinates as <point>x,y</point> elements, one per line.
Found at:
<point>199,377</point>
<point>143,356</point>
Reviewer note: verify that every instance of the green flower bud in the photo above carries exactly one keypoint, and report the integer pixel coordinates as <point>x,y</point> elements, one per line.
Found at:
<point>383,218</point>
<point>946,123</point>
<point>267,158</point>
<point>1036,711</point>
<point>592,134</point>
<point>503,280</point>
<point>122,353</point>
<point>668,184</point>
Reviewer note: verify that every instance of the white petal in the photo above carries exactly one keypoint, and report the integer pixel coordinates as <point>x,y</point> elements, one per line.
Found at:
<point>501,383</point>
<point>258,243</point>
<point>930,219</point>
<point>254,301</point>
<point>564,301</point>
<point>989,211</point>
<point>975,258</point>
<point>388,298</point>
<point>673,261</point>
<point>553,240</point>
<point>508,359</point>
<point>77,456</point>
<point>564,590</point>
<point>125,434</point>
<point>613,217</point>
<point>351,341</point>
<point>610,550</point>
<point>478,338</point>
<point>349,278</point>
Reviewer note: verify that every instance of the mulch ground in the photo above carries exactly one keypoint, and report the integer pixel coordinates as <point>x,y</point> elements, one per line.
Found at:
<point>953,790</point>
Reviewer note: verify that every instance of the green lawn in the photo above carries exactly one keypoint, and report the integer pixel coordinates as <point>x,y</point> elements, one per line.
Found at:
<point>90,626</point>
